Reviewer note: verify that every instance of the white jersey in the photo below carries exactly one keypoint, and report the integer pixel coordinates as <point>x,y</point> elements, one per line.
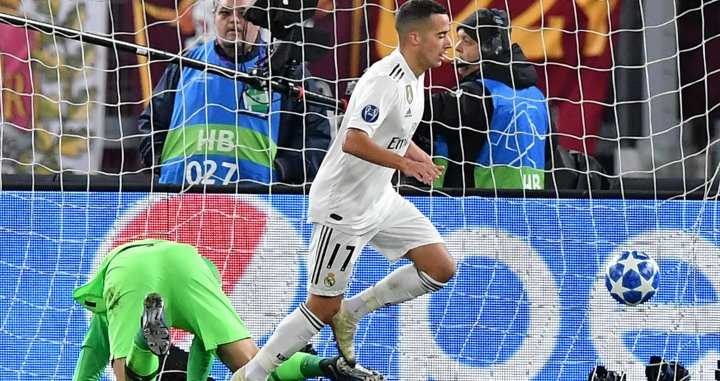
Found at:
<point>387,103</point>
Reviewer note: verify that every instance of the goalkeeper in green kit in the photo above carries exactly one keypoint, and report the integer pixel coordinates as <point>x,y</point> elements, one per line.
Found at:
<point>143,288</point>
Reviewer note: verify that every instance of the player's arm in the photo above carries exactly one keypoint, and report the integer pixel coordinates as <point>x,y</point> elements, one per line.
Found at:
<point>358,143</point>
<point>95,352</point>
<point>416,153</point>
<point>376,97</point>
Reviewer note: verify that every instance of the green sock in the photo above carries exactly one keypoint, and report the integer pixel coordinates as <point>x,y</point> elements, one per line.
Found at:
<point>140,340</point>
<point>140,359</point>
<point>298,367</point>
<point>200,361</point>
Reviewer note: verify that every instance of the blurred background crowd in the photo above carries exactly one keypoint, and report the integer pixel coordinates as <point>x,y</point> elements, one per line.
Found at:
<point>632,83</point>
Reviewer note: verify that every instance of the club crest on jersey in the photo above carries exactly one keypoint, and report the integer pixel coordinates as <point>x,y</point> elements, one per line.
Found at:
<point>370,113</point>
<point>409,93</point>
<point>329,280</point>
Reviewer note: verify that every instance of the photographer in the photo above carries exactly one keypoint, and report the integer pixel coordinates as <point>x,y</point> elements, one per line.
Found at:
<point>492,129</point>
<point>202,128</point>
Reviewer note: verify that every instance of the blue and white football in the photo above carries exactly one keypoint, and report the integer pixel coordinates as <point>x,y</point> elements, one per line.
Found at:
<point>632,277</point>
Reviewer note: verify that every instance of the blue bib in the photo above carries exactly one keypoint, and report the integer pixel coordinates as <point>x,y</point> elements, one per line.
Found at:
<point>519,126</point>
<point>222,131</point>
<point>518,129</point>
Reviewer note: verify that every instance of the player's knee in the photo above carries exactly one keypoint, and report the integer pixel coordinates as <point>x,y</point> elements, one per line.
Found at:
<point>444,271</point>
<point>448,271</point>
<point>435,261</point>
<point>324,307</point>
<point>327,314</point>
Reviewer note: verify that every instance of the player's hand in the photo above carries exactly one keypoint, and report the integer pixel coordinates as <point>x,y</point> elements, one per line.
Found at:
<point>425,158</point>
<point>424,172</point>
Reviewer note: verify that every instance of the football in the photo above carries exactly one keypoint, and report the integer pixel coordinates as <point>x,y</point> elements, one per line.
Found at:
<point>632,277</point>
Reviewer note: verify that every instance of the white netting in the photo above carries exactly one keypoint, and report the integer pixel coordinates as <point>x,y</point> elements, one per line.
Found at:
<point>633,83</point>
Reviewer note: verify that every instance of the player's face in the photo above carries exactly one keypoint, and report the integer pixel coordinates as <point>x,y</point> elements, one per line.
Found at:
<point>467,50</point>
<point>232,27</point>
<point>434,40</point>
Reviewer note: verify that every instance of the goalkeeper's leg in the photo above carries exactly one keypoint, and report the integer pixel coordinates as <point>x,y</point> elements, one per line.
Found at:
<point>301,366</point>
<point>152,340</point>
<point>141,364</point>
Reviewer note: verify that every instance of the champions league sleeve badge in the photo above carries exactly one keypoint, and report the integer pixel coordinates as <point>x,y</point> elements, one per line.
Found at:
<point>370,113</point>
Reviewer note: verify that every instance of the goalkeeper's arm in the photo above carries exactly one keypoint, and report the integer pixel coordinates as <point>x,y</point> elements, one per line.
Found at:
<point>95,352</point>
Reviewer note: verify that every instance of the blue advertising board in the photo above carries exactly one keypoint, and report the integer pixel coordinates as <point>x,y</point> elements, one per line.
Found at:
<point>528,302</point>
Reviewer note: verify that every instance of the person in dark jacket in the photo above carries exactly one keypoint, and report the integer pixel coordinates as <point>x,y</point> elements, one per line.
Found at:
<point>201,128</point>
<point>490,131</point>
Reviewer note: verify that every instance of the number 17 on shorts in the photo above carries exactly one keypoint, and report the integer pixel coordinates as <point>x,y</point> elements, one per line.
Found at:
<point>330,260</point>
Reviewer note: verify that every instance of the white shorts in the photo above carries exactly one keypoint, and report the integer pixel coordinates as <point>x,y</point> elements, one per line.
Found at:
<point>333,253</point>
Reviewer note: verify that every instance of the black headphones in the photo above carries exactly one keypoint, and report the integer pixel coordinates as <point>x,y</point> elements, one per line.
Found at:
<point>498,42</point>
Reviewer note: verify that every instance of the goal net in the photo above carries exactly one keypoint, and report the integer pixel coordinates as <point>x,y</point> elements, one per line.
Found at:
<point>630,165</point>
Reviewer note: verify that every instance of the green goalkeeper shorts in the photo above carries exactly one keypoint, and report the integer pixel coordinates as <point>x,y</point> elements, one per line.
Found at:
<point>194,300</point>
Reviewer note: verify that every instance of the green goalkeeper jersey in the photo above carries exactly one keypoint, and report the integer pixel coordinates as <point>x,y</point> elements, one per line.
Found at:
<point>190,286</point>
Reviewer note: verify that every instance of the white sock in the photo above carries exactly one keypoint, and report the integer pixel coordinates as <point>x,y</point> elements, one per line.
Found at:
<point>291,335</point>
<point>403,284</point>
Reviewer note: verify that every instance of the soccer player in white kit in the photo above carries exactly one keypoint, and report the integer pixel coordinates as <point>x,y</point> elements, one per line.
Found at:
<point>353,203</point>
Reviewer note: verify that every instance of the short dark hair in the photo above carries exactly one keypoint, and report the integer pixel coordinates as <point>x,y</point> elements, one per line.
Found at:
<point>416,10</point>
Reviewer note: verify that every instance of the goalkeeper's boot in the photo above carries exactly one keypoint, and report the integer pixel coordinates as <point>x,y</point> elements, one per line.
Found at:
<point>156,332</point>
<point>309,349</point>
<point>338,369</point>
<point>344,327</point>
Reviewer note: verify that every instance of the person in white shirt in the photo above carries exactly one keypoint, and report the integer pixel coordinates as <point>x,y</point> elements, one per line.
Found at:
<point>353,203</point>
